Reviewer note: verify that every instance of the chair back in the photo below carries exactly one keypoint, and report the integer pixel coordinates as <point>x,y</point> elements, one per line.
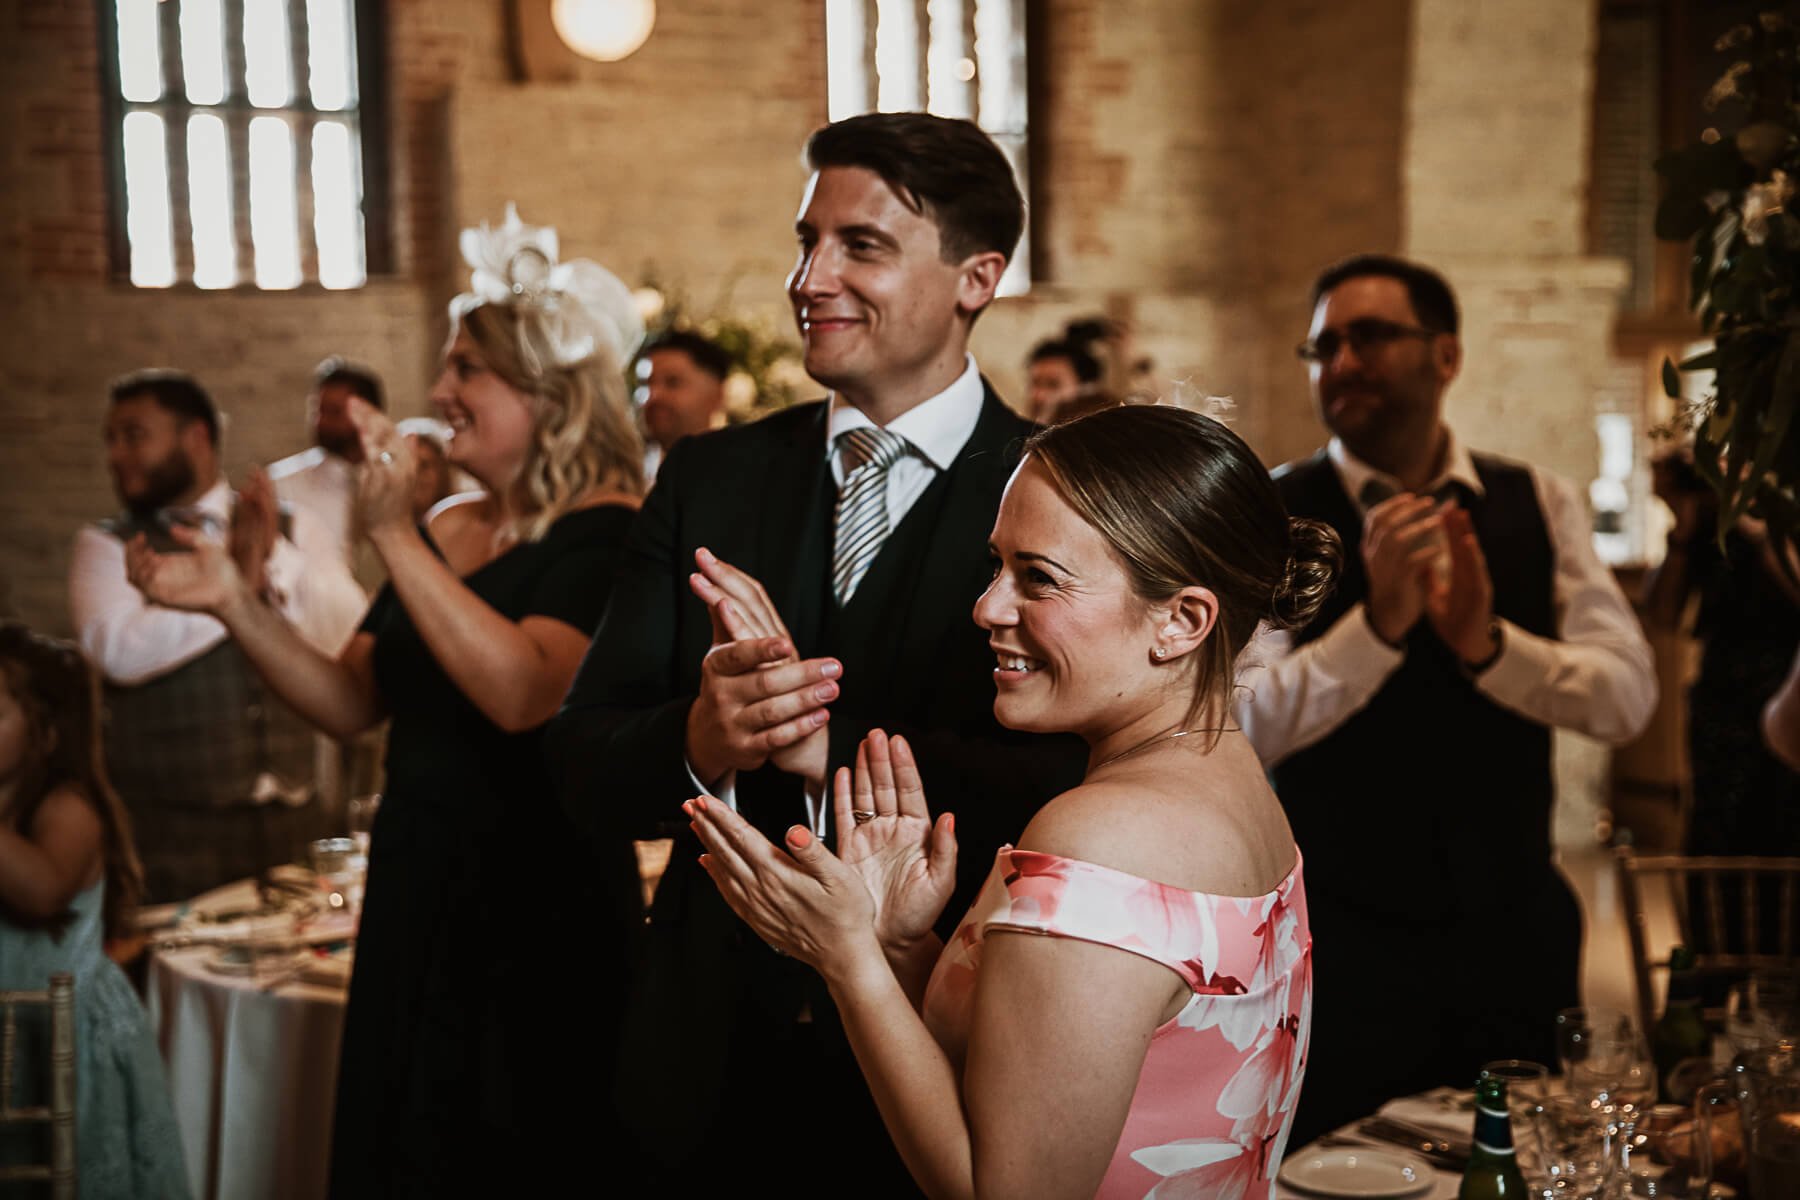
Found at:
<point>59,1114</point>
<point>1705,894</point>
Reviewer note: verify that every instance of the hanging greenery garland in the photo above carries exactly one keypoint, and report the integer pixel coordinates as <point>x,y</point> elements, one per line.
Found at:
<point>1729,195</point>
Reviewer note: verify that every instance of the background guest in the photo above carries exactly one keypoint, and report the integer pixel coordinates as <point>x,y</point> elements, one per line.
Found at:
<point>1057,373</point>
<point>217,772</point>
<point>322,478</point>
<point>684,390</point>
<point>1407,726</point>
<point>473,1002</point>
<point>434,477</point>
<point>1152,1036</point>
<point>1744,800</point>
<point>69,882</point>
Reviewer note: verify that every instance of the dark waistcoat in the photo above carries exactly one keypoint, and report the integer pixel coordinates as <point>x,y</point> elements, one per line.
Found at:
<point>1431,792</point>
<point>866,635</point>
<point>200,735</point>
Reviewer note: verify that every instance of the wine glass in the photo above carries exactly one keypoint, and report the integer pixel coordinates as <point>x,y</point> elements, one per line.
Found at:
<point>1576,1028</point>
<point>1617,1079</point>
<point>360,814</point>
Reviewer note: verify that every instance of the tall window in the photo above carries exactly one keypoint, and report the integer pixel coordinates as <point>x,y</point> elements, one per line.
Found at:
<point>955,58</point>
<point>238,155</point>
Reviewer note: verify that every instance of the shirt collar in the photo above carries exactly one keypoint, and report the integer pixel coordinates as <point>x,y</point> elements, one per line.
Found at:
<point>216,501</point>
<point>212,511</point>
<point>1354,473</point>
<point>936,428</point>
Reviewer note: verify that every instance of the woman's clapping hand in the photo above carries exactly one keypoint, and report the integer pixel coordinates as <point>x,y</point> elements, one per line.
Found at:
<point>907,860</point>
<point>881,892</point>
<point>384,479</point>
<point>804,903</point>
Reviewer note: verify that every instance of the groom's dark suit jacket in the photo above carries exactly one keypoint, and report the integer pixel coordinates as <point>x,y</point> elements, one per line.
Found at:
<point>761,497</point>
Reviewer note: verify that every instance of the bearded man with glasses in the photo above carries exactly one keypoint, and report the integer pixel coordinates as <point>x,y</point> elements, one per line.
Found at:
<point>1407,728</point>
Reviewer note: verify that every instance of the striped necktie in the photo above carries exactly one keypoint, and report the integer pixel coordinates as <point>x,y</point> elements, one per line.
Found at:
<point>862,516</point>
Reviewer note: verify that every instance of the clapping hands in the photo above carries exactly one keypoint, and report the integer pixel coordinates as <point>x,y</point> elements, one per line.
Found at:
<point>1424,562</point>
<point>886,834</point>
<point>881,892</point>
<point>384,479</point>
<point>758,701</point>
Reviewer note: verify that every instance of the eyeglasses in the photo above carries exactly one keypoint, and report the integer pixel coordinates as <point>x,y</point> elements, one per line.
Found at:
<point>1364,334</point>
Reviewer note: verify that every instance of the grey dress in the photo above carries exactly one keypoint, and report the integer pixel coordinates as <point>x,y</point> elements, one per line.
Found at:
<point>126,1142</point>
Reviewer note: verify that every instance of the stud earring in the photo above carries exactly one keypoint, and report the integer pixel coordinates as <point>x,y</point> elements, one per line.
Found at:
<point>1162,652</point>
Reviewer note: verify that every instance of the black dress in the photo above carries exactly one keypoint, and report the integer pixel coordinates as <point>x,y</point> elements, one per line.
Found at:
<point>490,961</point>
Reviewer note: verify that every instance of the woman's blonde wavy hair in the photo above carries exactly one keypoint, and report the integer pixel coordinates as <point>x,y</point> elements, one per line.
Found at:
<point>583,431</point>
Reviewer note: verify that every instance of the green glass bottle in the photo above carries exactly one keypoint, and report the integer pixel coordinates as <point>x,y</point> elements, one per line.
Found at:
<point>1493,1171</point>
<point>1680,1033</point>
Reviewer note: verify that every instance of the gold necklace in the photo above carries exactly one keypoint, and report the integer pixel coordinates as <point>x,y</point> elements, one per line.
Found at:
<point>1148,742</point>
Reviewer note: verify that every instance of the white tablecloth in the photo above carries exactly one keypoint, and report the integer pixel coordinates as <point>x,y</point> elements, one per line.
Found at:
<point>253,1072</point>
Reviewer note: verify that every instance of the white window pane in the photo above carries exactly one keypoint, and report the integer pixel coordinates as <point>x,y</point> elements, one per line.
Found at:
<point>203,50</point>
<point>268,59</point>
<point>274,232</point>
<point>1000,51</point>
<point>896,56</point>
<point>1016,281</point>
<point>209,202</point>
<point>337,206</point>
<point>140,51</point>
<point>945,61</point>
<point>848,73</point>
<point>331,54</point>
<point>147,201</point>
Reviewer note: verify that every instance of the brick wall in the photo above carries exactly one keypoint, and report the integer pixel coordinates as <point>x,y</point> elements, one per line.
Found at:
<point>1201,160</point>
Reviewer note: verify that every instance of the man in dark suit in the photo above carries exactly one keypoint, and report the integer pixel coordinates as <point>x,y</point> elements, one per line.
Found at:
<point>1407,727</point>
<point>788,586</point>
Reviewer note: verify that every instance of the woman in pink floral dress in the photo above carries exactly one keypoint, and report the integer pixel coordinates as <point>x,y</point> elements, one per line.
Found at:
<point>1146,1037</point>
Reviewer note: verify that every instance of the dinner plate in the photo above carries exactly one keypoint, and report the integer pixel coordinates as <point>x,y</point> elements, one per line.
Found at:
<point>1357,1172</point>
<point>236,960</point>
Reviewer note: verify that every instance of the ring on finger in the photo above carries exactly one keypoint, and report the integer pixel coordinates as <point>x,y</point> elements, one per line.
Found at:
<point>862,816</point>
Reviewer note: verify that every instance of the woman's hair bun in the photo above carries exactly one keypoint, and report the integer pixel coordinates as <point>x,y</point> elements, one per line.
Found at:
<point>1314,557</point>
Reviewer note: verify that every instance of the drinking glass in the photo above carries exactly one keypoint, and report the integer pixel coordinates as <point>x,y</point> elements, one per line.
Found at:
<point>334,863</point>
<point>1576,1149</point>
<point>1617,1078</point>
<point>1527,1089</point>
<point>1763,1008</point>
<point>1717,1151</point>
<point>360,813</point>
<point>1576,1028</point>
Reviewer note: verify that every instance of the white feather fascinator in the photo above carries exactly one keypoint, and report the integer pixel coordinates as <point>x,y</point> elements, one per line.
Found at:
<point>584,308</point>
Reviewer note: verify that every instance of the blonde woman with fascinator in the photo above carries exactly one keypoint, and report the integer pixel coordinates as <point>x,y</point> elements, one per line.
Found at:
<point>487,960</point>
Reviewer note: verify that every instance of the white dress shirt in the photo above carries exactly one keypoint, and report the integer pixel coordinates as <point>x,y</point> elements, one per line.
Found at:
<point>935,430</point>
<point>1598,679</point>
<point>324,485</point>
<point>132,641</point>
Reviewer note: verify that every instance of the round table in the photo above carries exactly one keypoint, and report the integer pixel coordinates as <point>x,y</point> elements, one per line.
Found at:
<point>252,1069</point>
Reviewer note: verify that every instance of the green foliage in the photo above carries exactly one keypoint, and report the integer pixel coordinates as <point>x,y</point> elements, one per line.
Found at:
<point>1728,194</point>
<point>767,374</point>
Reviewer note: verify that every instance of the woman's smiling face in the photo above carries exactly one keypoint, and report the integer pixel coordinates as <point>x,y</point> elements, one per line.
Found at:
<point>1072,641</point>
<point>491,421</point>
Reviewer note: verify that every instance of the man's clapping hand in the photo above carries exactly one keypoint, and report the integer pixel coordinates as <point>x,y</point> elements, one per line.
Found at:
<point>758,701</point>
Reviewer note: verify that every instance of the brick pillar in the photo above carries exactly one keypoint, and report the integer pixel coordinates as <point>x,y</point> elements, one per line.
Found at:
<point>1495,168</point>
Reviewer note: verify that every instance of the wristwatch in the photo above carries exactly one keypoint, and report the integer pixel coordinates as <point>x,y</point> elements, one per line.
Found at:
<point>1496,635</point>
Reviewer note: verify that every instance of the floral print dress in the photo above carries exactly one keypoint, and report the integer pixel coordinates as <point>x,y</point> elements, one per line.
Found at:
<point>1214,1103</point>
